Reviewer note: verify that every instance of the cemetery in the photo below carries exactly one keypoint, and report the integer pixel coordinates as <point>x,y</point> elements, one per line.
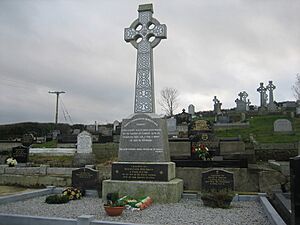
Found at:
<point>224,166</point>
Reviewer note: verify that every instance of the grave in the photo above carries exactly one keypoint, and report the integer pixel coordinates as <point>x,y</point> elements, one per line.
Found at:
<point>283,125</point>
<point>144,166</point>
<point>217,180</point>
<point>84,155</point>
<point>295,190</point>
<point>171,126</point>
<point>85,178</point>
<point>20,153</point>
<point>191,109</point>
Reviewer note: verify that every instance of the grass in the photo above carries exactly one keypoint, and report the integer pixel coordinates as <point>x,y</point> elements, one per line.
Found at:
<point>261,127</point>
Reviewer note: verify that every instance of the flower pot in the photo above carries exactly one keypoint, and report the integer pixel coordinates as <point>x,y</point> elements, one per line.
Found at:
<point>114,211</point>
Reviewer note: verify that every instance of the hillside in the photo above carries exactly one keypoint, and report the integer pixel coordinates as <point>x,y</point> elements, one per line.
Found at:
<point>261,128</point>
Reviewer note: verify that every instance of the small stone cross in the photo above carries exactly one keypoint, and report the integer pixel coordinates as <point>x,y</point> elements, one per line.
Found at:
<point>144,34</point>
<point>215,100</point>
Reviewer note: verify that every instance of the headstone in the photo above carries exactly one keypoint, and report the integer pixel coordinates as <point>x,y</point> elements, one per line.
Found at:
<point>183,117</point>
<point>191,109</point>
<point>85,178</point>
<point>271,87</point>
<point>20,153</point>
<point>27,140</point>
<point>201,125</point>
<point>171,126</point>
<point>283,125</point>
<point>144,138</point>
<point>295,190</point>
<point>241,103</point>
<point>217,105</point>
<point>263,96</point>
<point>115,125</point>
<point>183,130</point>
<point>217,180</point>
<point>84,142</point>
<point>223,119</point>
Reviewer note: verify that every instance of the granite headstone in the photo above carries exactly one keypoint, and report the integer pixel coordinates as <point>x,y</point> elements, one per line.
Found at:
<point>217,180</point>
<point>85,178</point>
<point>20,153</point>
<point>84,142</point>
<point>283,125</point>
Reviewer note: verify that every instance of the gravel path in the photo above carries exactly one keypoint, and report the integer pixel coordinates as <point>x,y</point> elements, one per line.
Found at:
<point>187,212</point>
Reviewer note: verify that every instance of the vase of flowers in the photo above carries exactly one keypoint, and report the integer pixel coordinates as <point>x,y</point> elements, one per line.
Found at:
<point>11,162</point>
<point>200,151</point>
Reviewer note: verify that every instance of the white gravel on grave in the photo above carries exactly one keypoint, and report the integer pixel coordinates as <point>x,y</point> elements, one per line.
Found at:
<point>186,212</point>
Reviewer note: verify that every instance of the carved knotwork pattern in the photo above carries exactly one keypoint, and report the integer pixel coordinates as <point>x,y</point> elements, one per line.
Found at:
<point>130,34</point>
<point>159,30</point>
<point>144,46</point>
<point>143,61</point>
<point>144,17</point>
<point>143,79</point>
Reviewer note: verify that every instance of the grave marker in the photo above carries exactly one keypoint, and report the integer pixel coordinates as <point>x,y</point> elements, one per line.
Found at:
<point>217,180</point>
<point>20,153</point>
<point>85,178</point>
<point>283,125</point>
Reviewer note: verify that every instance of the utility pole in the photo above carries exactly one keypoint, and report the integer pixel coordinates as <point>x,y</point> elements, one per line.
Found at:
<point>57,96</point>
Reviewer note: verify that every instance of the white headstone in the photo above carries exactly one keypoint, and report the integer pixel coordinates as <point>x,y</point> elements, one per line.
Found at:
<point>84,142</point>
<point>283,125</point>
<point>191,109</point>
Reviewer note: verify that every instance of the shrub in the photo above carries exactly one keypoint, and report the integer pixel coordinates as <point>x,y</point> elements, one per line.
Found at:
<point>57,199</point>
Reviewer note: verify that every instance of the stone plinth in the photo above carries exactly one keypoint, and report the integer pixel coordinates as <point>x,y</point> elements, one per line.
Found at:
<point>143,171</point>
<point>160,192</point>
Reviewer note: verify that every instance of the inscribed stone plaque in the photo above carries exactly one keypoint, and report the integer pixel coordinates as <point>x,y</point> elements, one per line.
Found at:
<point>84,142</point>
<point>144,139</point>
<point>85,178</point>
<point>217,180</point>
<point>20,153</point>
<point>282,125</point>
<point>201,125</point>
<point>144,172</point>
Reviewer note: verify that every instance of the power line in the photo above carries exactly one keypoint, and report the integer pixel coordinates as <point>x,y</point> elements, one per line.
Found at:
<point>57,96</point>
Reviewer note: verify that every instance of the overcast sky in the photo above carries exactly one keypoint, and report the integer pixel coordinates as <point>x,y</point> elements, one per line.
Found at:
<point>213,48</point>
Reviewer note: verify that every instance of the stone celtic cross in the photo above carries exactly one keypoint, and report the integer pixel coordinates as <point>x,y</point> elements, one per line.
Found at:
<point>144,34</point>
<point>271,87</point>
<point>262,90</point>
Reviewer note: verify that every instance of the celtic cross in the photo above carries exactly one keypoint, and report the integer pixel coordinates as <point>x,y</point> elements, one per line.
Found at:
<point>262,90</point>
<point>271,87</point>
<point>144,34</point>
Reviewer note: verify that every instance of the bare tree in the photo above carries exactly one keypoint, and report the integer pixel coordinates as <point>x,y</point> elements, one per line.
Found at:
<point>169,100</point>
<point>296,87</point>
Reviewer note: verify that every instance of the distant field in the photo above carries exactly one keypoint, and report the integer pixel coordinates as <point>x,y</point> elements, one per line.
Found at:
<point>261,128</point>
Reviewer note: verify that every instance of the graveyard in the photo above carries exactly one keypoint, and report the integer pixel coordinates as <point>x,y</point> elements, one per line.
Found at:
<point>220,166</point>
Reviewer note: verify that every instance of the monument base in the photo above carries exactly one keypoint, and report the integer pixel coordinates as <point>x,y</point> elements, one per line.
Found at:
<point>160,192</point>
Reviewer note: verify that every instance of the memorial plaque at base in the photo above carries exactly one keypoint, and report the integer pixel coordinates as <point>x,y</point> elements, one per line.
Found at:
<point>85,178</point>
<point>217,180</point>
<point>143,171</point>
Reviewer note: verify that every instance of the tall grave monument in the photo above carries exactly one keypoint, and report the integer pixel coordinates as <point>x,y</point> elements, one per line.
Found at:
<point>144,166</point>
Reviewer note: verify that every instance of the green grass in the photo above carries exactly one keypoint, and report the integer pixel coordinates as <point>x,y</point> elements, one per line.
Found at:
<point>261,127</point>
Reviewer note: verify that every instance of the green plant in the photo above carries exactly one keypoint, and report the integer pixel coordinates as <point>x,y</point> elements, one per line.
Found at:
<point>217,199</point>
<point>57,199</point>
<point>72,193</point>
<point>113,200</point>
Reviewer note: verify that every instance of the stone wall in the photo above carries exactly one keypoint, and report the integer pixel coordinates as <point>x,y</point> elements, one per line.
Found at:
<point>276,151</point>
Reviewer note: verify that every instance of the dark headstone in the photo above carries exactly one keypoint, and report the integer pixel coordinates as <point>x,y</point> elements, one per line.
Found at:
<point>85,178</point>
<point>208,139</point>
<point>295,190</point>
<point>144,138</point>
<point>217,180</point>
<point>27,140</point>
<point>144,172</point>
<point>20,153</point>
